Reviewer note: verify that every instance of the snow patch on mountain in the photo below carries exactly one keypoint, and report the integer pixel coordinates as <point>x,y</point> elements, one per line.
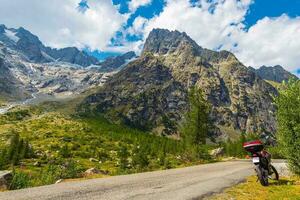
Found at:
<point>11,35</point>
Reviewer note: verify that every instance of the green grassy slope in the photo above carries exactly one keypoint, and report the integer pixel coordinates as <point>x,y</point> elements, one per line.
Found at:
<point>66,144</point>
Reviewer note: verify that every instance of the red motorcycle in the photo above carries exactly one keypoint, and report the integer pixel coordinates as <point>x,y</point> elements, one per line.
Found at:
<point>262,161</point>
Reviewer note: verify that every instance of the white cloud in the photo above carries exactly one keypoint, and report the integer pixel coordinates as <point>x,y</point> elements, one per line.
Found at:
<point>219,23</point>
<point>270,41</point>
<point>135,46</point>
<point>138,26</point>
<point>209,28</point>
<point>59,24</point>
<point>135,4</point>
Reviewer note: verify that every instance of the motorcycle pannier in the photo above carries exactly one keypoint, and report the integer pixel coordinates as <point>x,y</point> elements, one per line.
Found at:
<point>253,146</point>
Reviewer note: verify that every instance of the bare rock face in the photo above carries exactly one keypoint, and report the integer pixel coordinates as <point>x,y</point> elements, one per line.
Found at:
<point>34,50</point>
<point>5,179</point>
<point>116,62</point>
<point>20,78</point>
<point>151,92</point>
<point>274,73</point>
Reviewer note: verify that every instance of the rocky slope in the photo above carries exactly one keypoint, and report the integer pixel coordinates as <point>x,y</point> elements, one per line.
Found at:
<point>28,44</point>
<point>151,92</point>
<point>20,78</point>
<point>276,73</point>
<point>10,87</point>
<point>116,62</point>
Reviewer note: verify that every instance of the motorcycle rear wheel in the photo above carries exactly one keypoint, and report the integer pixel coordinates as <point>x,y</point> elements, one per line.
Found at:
<point>262,176</point>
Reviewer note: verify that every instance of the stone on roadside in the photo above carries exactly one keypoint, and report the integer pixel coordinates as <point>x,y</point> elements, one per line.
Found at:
<point>5,179</point>
<point>217,152</point>
<point>92,171</point>
<point>59,181</point>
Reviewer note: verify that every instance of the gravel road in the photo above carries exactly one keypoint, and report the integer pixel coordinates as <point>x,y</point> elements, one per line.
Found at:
<point>185,183</point>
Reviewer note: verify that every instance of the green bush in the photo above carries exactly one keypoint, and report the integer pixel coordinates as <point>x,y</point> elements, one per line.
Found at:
<point>17,150</point>
<point>20,180</point>
<point>288,116</point>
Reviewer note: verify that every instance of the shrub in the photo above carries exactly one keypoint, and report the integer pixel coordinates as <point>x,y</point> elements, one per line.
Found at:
<point>288,116</point>
<point>20,180</point>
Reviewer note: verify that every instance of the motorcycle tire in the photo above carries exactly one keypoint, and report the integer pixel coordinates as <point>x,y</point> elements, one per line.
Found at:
<point>275,172</point>
<point>262,176</point>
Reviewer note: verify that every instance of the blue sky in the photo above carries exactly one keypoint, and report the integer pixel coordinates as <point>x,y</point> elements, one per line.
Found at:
<point>258,10</point>
<point>258,32</point>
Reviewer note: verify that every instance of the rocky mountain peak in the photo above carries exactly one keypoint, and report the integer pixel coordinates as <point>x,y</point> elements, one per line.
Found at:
<point>28,44</point>
<point>274,73</point>
<point>116,62</point>
<point>151,92</point>
<point>163,41</point>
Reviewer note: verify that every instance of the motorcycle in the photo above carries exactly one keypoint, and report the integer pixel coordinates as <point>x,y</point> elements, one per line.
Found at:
<point>262,162</point>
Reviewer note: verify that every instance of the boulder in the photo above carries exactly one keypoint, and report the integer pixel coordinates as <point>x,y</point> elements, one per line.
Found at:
<point>59,181</point>
<point>217,152</point>
<point>5,179</point>
<point>92,171</point>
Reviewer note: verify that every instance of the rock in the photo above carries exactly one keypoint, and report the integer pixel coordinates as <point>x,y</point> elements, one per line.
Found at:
<point>5,179</point>
<point>37,164</point>
<point>92,171</point>
<point>93,160</point>
<point>217,152</point>
<point>59,181</point>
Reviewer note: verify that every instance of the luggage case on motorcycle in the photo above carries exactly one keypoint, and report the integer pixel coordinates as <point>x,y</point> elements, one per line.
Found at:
<point>253,146</point>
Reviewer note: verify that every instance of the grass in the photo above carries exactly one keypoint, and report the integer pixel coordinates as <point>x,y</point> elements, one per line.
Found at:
<point>284,189</point>
<point>59,136</point>
<point>274,84</point>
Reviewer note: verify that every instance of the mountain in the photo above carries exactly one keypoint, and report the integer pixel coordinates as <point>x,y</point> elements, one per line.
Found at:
<point>276,73</point>
<point>21,78</point>
<point>10,87</point>
<point>114,63</point>
<point>151,92</point>
<point>30,46</point>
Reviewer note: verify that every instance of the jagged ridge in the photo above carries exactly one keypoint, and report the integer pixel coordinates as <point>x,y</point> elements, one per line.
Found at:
<point>241,100</point>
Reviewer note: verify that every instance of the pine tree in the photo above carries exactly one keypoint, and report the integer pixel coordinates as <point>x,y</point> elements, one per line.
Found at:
<point>3,158</point>
<point>123,156</point>
<point>13,146</point>
<point>197,123</point>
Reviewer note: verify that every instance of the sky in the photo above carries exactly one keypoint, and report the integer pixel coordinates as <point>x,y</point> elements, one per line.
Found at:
<point>258,32</point>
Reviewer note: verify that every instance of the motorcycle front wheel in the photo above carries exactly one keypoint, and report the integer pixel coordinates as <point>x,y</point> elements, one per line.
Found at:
<point>274,174</point>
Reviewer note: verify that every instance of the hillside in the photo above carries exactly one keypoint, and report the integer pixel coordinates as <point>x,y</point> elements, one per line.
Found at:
<point>151,92</point>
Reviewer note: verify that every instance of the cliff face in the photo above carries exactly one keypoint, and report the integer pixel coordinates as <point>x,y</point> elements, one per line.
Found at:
<point>276,73</point>
<point>151,92</point>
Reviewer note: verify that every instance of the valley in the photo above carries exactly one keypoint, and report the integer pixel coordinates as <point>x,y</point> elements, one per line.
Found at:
<point>65,115</point>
